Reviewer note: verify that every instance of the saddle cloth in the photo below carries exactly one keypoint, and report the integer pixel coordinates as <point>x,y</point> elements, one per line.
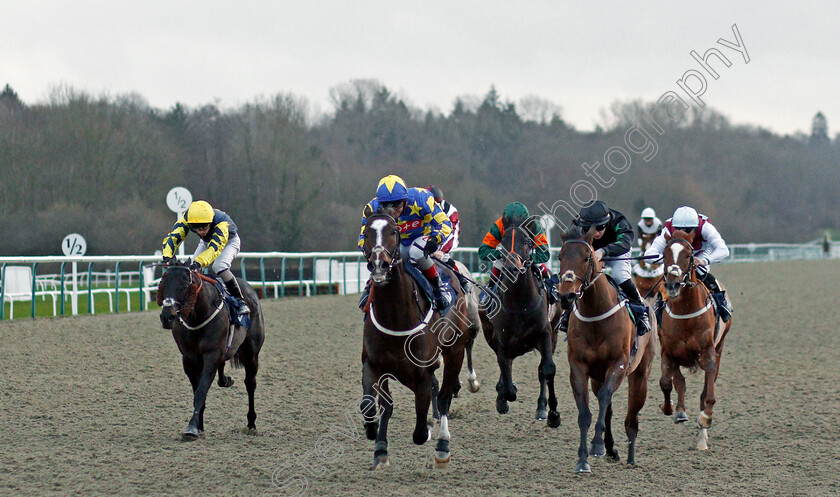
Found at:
<point>423,283</point>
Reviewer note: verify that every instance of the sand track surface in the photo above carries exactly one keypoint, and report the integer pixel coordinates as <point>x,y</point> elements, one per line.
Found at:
<point>95,406</point>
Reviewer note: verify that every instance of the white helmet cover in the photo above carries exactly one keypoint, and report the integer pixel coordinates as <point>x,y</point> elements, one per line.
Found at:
<point>685,217</point>
<point>648,213</point>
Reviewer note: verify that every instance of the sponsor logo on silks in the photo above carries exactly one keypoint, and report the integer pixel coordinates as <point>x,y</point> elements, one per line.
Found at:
<point>410,225</point>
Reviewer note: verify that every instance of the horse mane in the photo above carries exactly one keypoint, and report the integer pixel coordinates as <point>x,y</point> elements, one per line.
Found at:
<point>574,232</point>
<point>192,296</point>
<point>681,235</point>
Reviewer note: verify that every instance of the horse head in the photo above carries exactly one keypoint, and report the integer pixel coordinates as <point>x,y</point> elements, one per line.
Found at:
<point>176,293</point>
<point>382,245</point>
<point>679,262</point>
<point>577,265</point>
<point>516,246</point>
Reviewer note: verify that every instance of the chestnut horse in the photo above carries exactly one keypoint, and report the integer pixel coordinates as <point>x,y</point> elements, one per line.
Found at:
<point>405,339</point>
<point>648,275</point>
<point>600,338</point>
<point>517,320</point>
<point>193,308</point>
<point>690,335</point>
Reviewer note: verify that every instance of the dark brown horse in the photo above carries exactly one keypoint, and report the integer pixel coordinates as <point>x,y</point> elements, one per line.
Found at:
<point>600,338</point>
<point>405,339</point>
<point>518,319</point>
<point>691,335</point>
<point>193,308</point>
<point>647,275</point>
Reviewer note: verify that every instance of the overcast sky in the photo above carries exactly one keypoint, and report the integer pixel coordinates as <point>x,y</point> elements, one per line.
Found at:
<point>581,57</point>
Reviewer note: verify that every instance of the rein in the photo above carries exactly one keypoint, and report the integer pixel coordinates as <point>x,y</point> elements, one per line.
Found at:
<point>586,283</point>
<point>685,281</point>
<point>190,302</point>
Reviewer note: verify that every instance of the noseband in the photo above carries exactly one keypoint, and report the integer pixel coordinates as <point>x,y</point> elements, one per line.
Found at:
<point>675,269</point>
<point>377,251</point>
<point>589,277</point>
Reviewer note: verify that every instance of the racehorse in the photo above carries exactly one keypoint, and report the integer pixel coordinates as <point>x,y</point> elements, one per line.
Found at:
<point>600,338</point>
<point>518,319</point>
<point>647,275</point>
<point>405,339</point>
<point>194,309</point>
<point>691,335</point>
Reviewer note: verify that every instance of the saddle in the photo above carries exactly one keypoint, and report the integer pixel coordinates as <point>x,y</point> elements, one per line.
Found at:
<point>426,287</point>
<point>239,323</point>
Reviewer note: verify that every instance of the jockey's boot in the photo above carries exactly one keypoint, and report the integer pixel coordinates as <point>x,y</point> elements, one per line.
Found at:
<point>551,281</point>
<point>640,310</point>
<point>563,325</point>
<point>484,296</point>
<point>236,292</point>
<point>441,299</point>
<point>365,295</point>
<point>719,296</point>
<point>658,308</point>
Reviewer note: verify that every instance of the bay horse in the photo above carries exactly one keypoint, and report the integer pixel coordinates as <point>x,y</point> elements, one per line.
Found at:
<point>647,275</point>
<point>194,309</point>
<point>406,339</point>
<point>691,335</point>
<point>519,318</point>
<point>600,337</point>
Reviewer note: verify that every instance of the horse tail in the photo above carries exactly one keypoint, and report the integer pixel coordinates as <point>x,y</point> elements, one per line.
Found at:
<point>237,360</point>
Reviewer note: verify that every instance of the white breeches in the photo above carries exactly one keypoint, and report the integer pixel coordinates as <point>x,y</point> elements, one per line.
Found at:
<point>224,260</point>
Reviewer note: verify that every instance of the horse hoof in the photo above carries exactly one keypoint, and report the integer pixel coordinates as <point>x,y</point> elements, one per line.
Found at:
<point>613,456</point>
<point>380,463</point>
<point>582,467</point>
<point>542,415</point>
<point>510,396</point>
<point>252,431</point>
<point>442,459</point>
<point>704,421</point>
<point>421,437</point>
<point>502,406</point>
<point>667,410</point>
<point>597,450</point>
<point>190,434</point>
<point>553,419</point>
<point>473,386</point>
<point>680,417</point>
<point>227,383</point>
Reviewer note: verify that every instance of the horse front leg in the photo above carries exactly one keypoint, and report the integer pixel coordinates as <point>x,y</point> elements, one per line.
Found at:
<point>386,408</point>
<point>707,398</point>
<point>613,379</point>
<point>546,373</point>
<point>666,383</point>
<point>424,393</point>
<point>208,370</point>
<point>578,377</point>
<point>505,389</point>
<point>679,385</point>
<point>368,405</point>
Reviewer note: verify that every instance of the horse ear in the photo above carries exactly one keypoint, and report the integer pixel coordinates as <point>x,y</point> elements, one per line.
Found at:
<point>589,236</point>
<point>668,237</point>
<point>573,233</point>
<point>690,237</point>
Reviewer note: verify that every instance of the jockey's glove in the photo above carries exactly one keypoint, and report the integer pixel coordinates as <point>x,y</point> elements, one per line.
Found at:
<point>167,260</point>
<point>431,247</point>
<point>195,266</point>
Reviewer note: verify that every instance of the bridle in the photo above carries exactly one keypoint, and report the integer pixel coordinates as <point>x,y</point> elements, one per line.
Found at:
<point>378,250</point>
<point>675,269</point>
<point>173,302</point>
<point>589,277</point>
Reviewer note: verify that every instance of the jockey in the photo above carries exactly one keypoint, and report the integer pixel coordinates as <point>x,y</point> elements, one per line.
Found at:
<point>423,225</point>
<point>488,250</point>
<point>453,240</point>
<point>709,248</point>
<point>613,239</point>
<point>218,246</point>
<point>649,224</point>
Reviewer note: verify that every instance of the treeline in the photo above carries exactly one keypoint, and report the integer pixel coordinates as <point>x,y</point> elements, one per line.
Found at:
<point>101,166</point>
